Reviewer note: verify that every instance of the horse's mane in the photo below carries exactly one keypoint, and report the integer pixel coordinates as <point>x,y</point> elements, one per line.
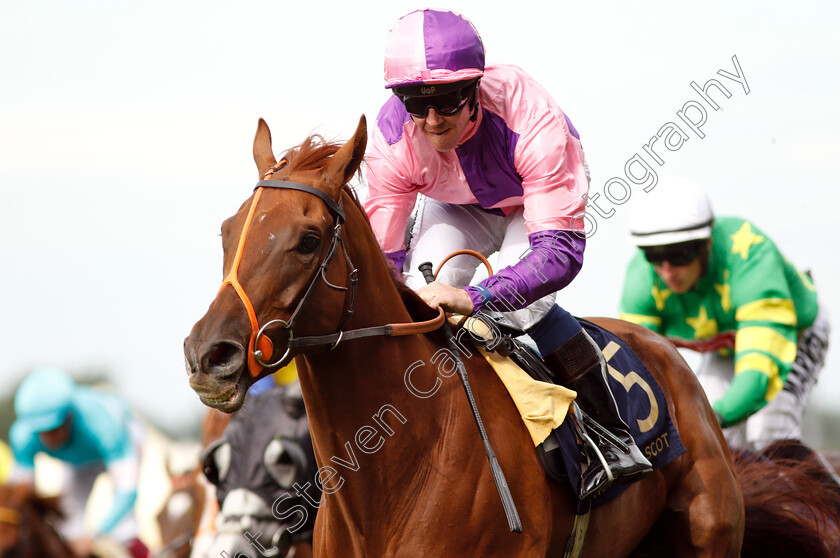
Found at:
<point>313,154</point>
<point>802,507</point>
<point>792,507</point>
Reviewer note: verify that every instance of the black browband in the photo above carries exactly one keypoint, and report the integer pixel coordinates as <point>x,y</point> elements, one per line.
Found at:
<point>285,184</point>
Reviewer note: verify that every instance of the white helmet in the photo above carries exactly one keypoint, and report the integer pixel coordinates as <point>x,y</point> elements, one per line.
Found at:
<point>677,210</point>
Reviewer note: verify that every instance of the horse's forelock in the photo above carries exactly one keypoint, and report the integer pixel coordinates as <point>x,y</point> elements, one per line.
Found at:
<point>312,154</point>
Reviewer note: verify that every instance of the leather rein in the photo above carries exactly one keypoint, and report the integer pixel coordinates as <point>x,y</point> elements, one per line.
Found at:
<point>260,346</point>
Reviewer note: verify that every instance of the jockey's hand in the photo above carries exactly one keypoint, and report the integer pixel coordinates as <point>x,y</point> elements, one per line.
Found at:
<point>441,295</point>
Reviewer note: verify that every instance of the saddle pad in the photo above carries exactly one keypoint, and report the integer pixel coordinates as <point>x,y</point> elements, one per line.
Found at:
<point>641,404</point>
<point>541,405</point>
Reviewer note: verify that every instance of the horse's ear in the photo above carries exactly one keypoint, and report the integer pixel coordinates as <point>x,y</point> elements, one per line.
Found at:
<point>344,164</point>
<point>263,156</point>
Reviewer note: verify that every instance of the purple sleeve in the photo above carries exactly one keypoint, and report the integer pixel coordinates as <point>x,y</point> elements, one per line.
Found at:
<point>554,259</point>
<point>397,258</point>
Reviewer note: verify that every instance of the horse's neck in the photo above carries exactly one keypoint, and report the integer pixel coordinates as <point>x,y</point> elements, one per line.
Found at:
<point>344,388</point>
<point>356,368</point>
<point>370,427</point>
<point>363,398</point>
<point>378,300</point>
<point>342,385</point>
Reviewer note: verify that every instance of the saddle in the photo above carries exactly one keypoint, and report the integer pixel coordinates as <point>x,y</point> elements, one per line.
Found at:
<point>496,336</point>
<point>572,447</point>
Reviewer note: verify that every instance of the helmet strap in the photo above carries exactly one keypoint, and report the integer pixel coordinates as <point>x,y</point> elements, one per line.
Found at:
<point>474,102</point>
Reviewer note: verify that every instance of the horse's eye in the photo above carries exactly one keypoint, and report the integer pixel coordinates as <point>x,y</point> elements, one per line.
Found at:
<point>308,244</point>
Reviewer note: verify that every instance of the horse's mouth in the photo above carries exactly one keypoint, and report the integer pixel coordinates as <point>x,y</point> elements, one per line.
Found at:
<point>228,400</point>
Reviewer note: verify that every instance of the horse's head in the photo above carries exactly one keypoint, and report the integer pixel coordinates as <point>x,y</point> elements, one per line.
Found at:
<point>277,253</point>
<point>27,523</point>
<point>180,516</point>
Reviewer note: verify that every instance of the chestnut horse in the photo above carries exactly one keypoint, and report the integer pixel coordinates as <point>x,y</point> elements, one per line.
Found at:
<point>404,471</point>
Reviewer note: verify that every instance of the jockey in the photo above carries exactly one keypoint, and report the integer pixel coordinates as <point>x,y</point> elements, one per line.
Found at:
<point>501,168</point>
<point>90,431</point>
<point>720,284</point>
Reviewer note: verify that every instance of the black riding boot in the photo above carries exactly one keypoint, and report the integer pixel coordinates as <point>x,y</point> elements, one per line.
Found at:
<point>580,365</point>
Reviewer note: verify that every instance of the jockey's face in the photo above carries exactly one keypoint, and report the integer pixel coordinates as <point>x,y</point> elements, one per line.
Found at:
<point>443,131</point>
<point>57,437</point>
<point>680,278</point>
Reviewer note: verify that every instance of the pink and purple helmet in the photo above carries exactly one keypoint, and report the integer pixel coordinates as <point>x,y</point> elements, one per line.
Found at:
<point>432,47</point>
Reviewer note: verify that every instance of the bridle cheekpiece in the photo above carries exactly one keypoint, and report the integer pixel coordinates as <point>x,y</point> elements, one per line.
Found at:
<point>260,346</point>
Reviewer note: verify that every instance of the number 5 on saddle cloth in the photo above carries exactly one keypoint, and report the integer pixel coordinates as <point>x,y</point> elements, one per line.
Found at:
<point>572,446</point>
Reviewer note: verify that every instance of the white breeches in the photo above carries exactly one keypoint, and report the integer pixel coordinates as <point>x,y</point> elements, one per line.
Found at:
<point>781,418</point>
<point>441,228</point>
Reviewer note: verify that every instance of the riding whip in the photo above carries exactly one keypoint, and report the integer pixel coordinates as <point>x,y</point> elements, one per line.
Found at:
<point>514,523</point>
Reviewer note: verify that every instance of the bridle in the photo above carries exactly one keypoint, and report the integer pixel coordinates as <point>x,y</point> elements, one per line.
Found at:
<point>260,345</point>
<point>9,516</point>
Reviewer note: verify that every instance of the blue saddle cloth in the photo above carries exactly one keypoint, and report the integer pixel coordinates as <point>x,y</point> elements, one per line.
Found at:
<point>641,404</point>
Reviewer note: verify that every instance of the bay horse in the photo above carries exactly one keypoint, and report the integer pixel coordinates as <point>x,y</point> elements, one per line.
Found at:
<point>28,527</point>
<point>27,524</point>
<point>404,471</point>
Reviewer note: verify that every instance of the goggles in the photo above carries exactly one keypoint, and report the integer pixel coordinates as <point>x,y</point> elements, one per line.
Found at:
<point>445,104</point>
<point>677,255</point>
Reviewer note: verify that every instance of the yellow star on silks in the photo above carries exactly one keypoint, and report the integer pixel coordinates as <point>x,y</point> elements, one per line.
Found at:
<point>704,327</point>
<point>725,292</point>
<point>744,239</point>
<point>660,296</point>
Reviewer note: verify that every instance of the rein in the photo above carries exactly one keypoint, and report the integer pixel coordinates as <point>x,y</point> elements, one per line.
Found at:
<point>724,340</point>
<point>259,344</point>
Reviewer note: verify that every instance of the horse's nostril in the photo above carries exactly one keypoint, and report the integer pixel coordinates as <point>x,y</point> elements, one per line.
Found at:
<point>222,354</point>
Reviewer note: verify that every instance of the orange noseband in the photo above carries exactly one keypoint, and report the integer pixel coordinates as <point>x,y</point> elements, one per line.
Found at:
<point>265,346</point>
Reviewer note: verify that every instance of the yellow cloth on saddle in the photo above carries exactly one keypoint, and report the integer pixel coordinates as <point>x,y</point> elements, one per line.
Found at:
<point>542,406</point>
